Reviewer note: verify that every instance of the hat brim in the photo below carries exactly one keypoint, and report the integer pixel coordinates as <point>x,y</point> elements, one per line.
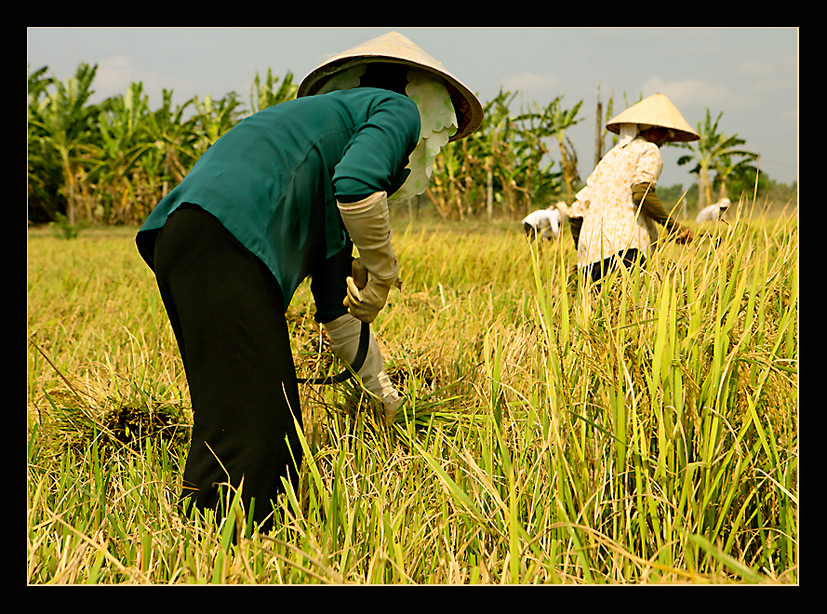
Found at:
<point>393,48</point>
<point>656,110</point>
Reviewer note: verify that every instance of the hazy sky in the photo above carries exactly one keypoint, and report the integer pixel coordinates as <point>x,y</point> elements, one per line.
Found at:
<point>748,74</point>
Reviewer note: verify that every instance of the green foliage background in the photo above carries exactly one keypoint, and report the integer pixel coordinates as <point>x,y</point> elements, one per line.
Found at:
<point>111,162</point>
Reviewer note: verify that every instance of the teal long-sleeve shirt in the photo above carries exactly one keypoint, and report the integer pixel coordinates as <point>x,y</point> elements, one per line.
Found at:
<point>273,180</point>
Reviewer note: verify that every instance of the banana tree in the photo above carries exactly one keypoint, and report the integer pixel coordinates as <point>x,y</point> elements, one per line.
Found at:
<point>498,138</point>
<point>62,123</point>
<point>464,171</point>
<point>214,118</point>
<point>40,166</point>
<point>726,168</point>
<point>263,95</point>
<point>537,127</point>
<point>507,160</point>
<point>714,151</point>
<point>174,150</point>
<point>555,120</point>
<point>123,143</point>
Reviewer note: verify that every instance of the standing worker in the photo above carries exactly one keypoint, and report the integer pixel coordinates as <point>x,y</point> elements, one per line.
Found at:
<point>282,196</point>
<point>613,217</point>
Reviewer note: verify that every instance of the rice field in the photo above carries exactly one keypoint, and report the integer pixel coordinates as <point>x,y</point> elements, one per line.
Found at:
<point>642,433</point>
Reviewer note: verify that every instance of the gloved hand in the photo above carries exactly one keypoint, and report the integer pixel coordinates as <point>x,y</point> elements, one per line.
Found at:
<point>368,225</point>
<point>344,334</point>
<point>684,235</point>
<point>359,273</point>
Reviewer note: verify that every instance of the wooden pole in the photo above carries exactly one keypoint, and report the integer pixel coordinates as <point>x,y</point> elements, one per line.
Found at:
<point>489,188</point>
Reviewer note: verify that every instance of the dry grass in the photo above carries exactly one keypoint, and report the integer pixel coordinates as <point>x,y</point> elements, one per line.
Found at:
<point>645,433</point>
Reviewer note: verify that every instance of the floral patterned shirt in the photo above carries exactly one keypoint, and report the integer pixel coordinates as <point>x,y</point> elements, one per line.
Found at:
<point>611,221</point>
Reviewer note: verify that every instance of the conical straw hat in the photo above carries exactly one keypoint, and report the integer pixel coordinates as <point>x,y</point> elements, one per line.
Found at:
<point>656,110</point>
<point>395,48</point>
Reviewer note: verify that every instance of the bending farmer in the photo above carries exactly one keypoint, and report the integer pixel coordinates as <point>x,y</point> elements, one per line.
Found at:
<point>282,196</point>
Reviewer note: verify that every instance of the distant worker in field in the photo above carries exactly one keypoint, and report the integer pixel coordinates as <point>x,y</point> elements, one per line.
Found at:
<point>613,218</point>
<point>545,222</point>
<point>282,196</point>
<point>713,213</point>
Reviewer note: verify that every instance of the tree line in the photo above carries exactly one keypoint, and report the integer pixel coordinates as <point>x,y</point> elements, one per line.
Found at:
<point>112,162</point>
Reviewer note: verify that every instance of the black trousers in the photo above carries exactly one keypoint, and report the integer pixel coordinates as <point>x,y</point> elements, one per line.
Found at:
<point>628,258</point>
<point>227,313</point>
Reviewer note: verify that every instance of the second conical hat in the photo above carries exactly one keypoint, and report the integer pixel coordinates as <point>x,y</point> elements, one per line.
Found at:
<point>656,110</point>
<point>397,49</point>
